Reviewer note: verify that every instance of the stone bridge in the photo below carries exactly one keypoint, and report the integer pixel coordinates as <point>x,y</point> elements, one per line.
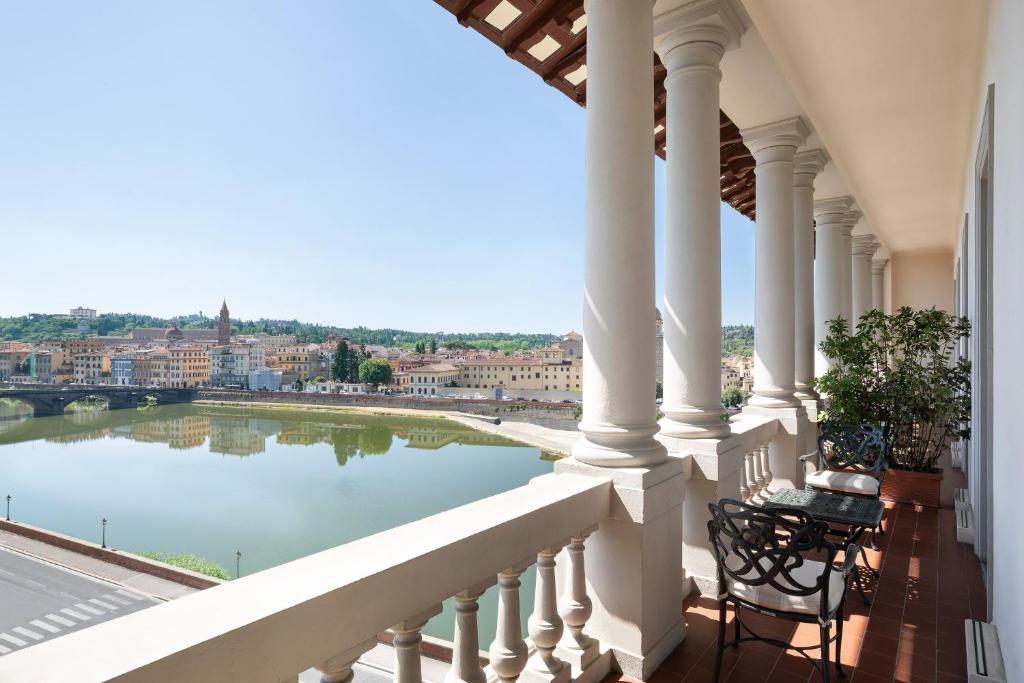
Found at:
<point>47,400</point>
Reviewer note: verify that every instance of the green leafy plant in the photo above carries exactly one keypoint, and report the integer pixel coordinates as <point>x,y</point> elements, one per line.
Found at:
<point>190,562</point>
<point>898,371</point>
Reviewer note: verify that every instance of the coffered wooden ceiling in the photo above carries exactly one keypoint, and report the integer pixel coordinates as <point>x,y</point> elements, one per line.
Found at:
<point>550,38</point>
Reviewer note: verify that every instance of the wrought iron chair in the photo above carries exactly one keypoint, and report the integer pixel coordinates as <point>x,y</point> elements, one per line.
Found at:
<point>850,459</point>
<point>764,565</point>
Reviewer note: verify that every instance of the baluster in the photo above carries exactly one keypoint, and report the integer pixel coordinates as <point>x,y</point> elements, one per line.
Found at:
<point>751,482</point>
<point>766,465</point>
<point>575,608</point>
<point>744,486</point>
<point>466,653</point>
<point>338,669</point>
<point>759,475</point>
<point>508,651</point>
<point>407,646</point>
<point>545,625</point>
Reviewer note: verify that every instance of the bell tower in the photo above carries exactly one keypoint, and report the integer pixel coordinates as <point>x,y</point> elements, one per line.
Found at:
<point>224,325</point>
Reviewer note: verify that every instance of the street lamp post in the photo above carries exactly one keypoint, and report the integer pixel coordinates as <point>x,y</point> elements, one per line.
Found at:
<point>8,507</point>
<point>238,563</point>
<point>104,525</point>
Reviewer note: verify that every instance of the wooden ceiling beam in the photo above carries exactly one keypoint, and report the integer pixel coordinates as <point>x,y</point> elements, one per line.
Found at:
<point>529,26</point>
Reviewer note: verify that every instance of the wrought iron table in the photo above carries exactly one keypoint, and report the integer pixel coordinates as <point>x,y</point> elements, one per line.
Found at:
<point>858,513</point>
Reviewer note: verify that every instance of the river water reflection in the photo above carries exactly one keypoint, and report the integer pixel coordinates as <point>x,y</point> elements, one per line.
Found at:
<point>275,484</point>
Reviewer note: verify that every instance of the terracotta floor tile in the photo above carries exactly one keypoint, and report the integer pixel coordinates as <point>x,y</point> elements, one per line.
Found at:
<point>913,632</point>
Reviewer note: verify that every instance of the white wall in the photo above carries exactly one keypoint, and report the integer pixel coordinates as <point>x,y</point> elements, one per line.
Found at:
<point>1004,59</point>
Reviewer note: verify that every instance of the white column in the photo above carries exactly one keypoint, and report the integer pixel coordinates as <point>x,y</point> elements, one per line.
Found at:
<point>691,53</point>
<point>864,247</point>
<point>773,146</point>
<point>829,215</point>
<point>806,166</point>
<point>618,422</point>
<point>849,221</point>
<point>878,283</point>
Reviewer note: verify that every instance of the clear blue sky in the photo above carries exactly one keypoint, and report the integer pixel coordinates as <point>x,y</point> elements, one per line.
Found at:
<point>352,163</point>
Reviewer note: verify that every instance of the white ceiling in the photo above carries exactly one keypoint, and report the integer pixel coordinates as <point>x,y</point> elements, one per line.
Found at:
<point>891,89</point>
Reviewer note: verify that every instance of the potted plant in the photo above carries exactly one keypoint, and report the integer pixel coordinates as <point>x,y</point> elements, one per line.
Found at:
<point>897,371</point>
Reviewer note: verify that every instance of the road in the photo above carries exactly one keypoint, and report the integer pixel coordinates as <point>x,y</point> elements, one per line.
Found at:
<point>40,601</point>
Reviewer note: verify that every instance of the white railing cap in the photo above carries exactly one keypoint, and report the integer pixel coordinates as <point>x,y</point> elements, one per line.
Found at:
<point>275,623</point>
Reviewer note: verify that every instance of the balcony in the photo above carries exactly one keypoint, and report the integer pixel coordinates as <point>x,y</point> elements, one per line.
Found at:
<point>741,100</point>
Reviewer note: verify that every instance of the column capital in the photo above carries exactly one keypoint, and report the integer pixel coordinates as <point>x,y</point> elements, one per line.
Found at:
<point>776,141</point>
<point>850,220</point>
<point>878,265</point>
<point>717,23</point>
<point>865,245</point>
<point>807,165</point>
<point>831,210</point>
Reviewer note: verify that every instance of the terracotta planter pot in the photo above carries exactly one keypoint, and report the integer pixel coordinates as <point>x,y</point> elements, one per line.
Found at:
<point>919,488</point>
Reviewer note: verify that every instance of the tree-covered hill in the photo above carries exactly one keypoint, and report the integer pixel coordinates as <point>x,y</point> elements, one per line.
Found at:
<point>736,339</point>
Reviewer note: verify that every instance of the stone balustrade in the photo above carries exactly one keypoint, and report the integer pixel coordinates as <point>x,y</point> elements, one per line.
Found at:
<point>325,610</point>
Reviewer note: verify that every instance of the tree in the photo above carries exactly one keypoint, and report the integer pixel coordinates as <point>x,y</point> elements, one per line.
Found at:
<point>355,357</point>
<point>375,371</point>
<point>732,396</point>
<point>659,391</point>
<point>298,384</point>
<point>432,346</point>
<point>420,347</point>
<point>339,368</point>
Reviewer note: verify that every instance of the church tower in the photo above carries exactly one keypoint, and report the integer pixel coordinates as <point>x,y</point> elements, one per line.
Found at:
<point>224,325</point>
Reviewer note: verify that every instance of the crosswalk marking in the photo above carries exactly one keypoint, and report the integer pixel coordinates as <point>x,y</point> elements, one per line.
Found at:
<point>60,620</point>
<point>104,605</point>
<point>114,598</point>
<point>11,639</point>
<point>129,594</point>
<point>77,615</point>
<point>88,608</point>
<point>4,650</point>
<point>39,623</point>
<point>28,633</point>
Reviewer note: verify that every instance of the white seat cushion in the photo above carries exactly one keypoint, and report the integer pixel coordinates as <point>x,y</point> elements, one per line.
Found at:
<point>769,597</point>
<point>847,482</point>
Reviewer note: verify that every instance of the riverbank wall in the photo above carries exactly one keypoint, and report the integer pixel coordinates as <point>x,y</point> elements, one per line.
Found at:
<point>524,411</point>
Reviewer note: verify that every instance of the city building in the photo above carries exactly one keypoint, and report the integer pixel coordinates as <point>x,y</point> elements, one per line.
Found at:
<point>550,372</point>
<point>83,313</point>
<point>91,367</point>
<point>572,344</point>
<point>122,369</point>
<point>229,365</point>
<point>265,379</point>
<point>425,380</point>
<point>304,361</point>
<point>151,367</point>
<point>188,367</point>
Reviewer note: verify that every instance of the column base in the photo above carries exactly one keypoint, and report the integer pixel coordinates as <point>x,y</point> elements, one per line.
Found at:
<point>619,446</point>
<point>688,422</point>
<point>773,398</point>
<point>805,392</point>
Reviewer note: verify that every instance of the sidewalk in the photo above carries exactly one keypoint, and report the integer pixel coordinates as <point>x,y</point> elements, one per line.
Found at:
<point>156,587</point>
